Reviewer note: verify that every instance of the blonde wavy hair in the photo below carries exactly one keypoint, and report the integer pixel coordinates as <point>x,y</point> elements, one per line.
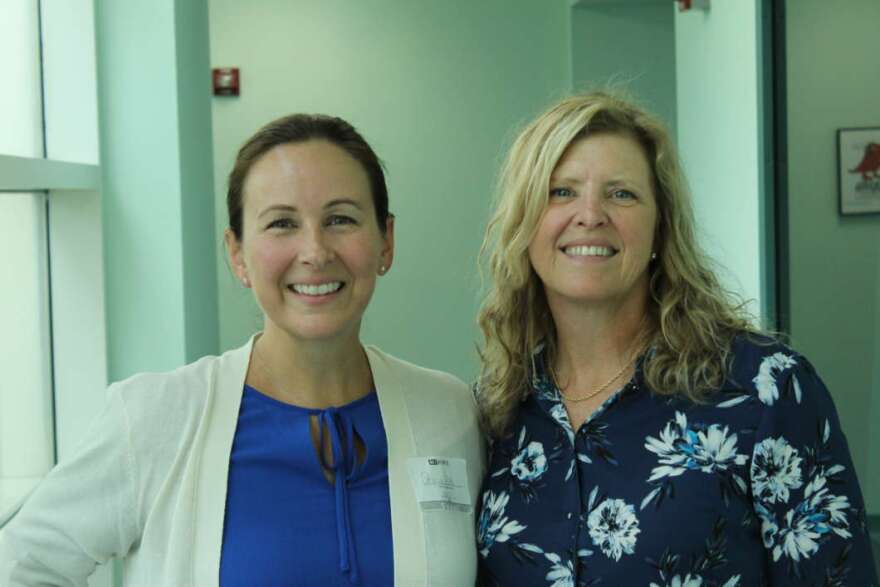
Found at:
<point>693,320</point>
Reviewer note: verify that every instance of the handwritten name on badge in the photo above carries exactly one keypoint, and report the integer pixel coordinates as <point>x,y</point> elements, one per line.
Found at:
<point>440,483</point>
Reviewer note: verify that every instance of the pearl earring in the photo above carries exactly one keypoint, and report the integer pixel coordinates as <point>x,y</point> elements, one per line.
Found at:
<point>653,256</point>
<point>382,270</point>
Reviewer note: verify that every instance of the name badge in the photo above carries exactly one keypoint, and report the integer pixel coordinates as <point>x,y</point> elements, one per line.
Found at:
<point>440,483</point>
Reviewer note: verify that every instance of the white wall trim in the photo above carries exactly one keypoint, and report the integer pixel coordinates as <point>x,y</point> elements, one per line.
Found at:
<point>25,174</point>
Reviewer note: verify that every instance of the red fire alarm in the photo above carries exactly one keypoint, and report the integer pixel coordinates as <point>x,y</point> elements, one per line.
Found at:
<point>225,81</point>
<point>685,5</point>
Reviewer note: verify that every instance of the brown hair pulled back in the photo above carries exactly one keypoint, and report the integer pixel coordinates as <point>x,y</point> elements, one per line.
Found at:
<point>299,128</point>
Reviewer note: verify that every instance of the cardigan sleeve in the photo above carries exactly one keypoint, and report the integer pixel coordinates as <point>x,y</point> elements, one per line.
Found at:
<point>81,514</point>
<point>804,487</point>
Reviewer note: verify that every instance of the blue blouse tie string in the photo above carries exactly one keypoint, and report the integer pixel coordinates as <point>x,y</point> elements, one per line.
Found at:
<point>344,467</point>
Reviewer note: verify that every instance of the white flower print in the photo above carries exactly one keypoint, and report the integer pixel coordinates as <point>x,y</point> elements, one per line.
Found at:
<point>680,448</point>
<point>765,380</point>
<point>769,528</point>
<point>561,573</point>
<point>803,527</point>
<point>798,539</point>
<point>530,463</point>
<point>717,450</point>
<point>776,469</point>
<point>679,581</point>
<point>690,580</point>
<point>494,525</point>
<point>558,413</point>
<point>613,526</point>
<point>829,510</point>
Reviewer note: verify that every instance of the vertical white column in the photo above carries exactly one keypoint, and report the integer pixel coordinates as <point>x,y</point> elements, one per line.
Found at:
<point>70,84</point>
<point>20,101</point>
<point>719,136</point>
<point>71,113</point>
<point>26,444</point>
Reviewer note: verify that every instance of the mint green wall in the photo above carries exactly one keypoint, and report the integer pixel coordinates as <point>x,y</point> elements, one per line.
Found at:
<point>157,183</point>
<point>833,82</point>
<point>628,46</point>
<point>436,87</point>
<point>719,130</point>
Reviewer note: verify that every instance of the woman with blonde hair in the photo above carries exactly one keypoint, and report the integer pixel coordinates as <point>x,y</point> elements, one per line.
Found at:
<point>644,431</point>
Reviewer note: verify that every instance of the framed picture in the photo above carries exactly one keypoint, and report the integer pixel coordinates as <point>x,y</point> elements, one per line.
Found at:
<point>858,170</point>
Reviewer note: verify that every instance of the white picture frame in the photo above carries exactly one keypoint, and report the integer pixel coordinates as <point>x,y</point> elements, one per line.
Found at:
<point>858,164</point>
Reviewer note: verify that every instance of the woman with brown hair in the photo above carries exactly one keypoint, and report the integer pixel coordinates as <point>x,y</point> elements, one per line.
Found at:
<point>644,432</point>
<point>301,458</point>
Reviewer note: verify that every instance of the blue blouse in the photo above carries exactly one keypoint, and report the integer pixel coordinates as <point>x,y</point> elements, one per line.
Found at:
<point>755,487</point>
<point>286,524</point>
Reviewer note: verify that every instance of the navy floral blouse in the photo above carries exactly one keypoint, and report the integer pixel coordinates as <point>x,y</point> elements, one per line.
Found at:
<point>754,488</point>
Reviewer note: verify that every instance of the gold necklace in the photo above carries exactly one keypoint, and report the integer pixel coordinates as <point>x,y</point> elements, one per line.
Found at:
<point>598,390</point>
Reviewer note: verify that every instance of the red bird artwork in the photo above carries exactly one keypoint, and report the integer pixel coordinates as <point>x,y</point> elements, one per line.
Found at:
<point>870,164</point>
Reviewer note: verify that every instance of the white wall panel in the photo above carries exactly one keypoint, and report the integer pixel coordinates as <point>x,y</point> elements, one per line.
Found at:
<point>78,271</point>
<point>21,117</point>
<point>719,135</point>
<point>26,444</point>
<point>71,101</point>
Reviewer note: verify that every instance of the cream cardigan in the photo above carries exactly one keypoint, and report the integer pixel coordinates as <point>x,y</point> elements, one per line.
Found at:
<point>149,481</point>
